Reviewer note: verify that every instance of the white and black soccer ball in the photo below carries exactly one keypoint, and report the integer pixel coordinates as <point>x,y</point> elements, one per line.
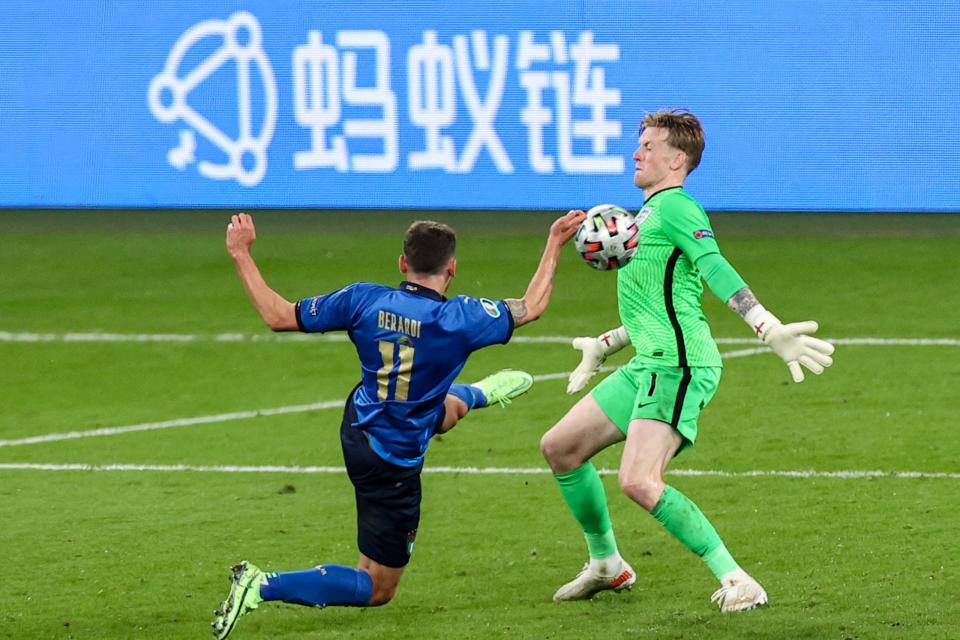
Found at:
<point>608,237</point>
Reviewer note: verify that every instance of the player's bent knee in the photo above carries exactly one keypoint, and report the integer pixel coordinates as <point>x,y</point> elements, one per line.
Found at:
<point>382,596</point>
<point>554,449</point>
<point>456,406</point>
<point>645,491</point>
<point>383,592</point>
<point>454,411</point>
<point>384,581</point>
<point>546,446</point>
<point>560,453</point>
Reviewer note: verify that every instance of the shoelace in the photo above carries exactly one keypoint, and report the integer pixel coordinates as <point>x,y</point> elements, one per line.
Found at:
<point>503,401</point>
<point>500,396</point>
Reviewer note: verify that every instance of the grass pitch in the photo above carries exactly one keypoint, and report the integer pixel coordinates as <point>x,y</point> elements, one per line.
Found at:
<point>165,339</point>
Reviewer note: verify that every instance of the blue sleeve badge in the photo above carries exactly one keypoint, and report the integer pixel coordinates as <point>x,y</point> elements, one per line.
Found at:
<point>491,307</point>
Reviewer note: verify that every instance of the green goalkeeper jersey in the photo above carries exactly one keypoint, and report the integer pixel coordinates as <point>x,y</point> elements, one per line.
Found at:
<point>659,290</point>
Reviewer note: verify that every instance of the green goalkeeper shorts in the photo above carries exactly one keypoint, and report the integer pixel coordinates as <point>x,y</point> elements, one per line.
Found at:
<point>673,395</point>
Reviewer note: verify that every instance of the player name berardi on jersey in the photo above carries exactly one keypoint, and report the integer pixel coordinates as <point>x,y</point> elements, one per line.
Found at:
<point>393,322</point>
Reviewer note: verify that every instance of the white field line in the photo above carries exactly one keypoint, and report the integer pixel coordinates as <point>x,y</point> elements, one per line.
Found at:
<point>7,336</point>
<point>329,404</point>
<point>245,415</point>
<point>168,424</point>
<point>508,471</point>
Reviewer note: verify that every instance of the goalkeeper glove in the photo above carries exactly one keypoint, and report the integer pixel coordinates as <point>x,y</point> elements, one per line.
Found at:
<point>594,352</point>
<point>791,342</point>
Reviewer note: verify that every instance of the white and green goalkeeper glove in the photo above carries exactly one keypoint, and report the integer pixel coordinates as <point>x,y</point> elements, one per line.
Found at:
<point>594,352</point>
<point>791,342</point>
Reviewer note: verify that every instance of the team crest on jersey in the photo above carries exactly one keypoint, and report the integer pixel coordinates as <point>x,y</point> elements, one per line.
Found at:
<point>490,307</point>
<point>643,214</point>
<point>702,233</point>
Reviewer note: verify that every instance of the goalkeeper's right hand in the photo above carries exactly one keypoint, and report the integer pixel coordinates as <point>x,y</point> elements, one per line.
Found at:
<point>594,352</point>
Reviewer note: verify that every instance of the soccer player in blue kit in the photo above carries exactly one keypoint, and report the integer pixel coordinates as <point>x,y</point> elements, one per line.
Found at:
<point>412,342</point>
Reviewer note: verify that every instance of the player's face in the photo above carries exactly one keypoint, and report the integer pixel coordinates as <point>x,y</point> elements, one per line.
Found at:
<point>654,160</point>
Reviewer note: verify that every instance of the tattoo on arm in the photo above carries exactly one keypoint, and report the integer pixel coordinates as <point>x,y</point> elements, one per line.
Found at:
<point>742,301</point>
<point>518,309</point>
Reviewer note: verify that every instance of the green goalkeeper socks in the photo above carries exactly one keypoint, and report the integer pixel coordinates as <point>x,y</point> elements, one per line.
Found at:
<point>583,491</point>
<point>684,520</point>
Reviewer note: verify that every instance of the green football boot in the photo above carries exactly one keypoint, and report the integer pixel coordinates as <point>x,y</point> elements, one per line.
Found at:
<point>503,386</point>
<point>244,596</point>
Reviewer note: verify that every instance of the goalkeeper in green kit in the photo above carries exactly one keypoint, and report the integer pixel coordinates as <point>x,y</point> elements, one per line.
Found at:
<point>653,401</point>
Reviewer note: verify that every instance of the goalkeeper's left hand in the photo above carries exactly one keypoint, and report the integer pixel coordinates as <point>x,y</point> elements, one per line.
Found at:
<point>791,342</point>
<point>592,357</point>
<point>594,352</point>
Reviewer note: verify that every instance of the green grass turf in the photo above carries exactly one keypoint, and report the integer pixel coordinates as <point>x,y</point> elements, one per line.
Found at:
<point>145,554</point>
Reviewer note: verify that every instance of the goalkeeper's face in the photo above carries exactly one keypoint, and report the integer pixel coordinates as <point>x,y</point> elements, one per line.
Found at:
<point>655,161</point>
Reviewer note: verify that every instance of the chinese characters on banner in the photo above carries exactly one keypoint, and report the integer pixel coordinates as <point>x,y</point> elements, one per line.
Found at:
<point>550,71</point>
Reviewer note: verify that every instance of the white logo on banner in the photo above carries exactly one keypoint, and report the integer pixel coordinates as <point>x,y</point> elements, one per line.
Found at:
<point>343,97</point>
<point>168,95</point>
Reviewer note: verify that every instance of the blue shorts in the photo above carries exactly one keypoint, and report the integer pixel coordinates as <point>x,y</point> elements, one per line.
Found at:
<point>388,497</point>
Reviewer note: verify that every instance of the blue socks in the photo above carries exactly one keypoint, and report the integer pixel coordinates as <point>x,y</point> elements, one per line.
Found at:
<point>328,585</point>
<point>470,394</point>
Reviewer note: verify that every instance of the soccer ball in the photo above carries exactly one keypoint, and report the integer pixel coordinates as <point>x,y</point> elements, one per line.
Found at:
<point>608,238</point>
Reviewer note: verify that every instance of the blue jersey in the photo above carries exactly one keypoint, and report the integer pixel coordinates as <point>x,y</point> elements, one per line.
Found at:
<point>412,343</point>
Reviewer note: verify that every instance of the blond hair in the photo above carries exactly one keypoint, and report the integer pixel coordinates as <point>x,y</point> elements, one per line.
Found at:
<point>684,132</point>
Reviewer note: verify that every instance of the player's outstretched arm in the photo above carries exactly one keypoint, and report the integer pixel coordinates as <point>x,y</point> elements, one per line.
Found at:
<point>537,296</point>
<point>594,352</point>
<point>791,342</point>
<point>278,312</point>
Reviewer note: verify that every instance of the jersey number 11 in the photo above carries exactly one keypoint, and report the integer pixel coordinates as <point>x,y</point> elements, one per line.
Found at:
<point>401,369</point>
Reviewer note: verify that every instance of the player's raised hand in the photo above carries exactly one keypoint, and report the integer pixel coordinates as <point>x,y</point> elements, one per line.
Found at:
<point>796,347</point>
<point>564,227</point>
<point>240,234</point>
